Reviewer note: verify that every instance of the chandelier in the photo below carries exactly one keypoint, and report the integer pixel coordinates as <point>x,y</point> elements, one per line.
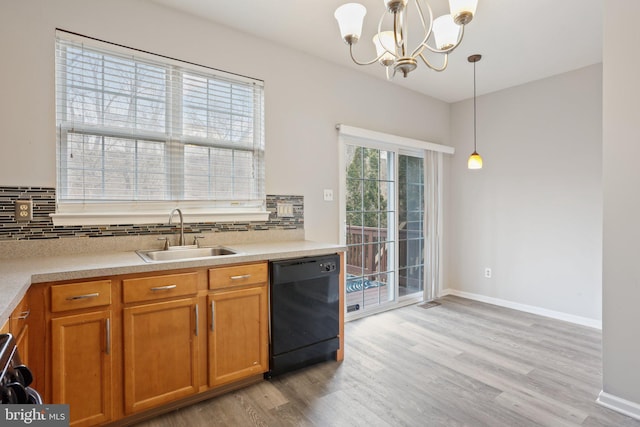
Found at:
<point>392,48</point>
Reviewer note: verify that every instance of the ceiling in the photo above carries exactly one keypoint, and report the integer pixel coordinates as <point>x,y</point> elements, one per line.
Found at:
<point>520,40</point>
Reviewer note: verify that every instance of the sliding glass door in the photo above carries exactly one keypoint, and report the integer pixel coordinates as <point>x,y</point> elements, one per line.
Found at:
<point>411,236</point>
<point>384,227</point>
<point>370,228</point>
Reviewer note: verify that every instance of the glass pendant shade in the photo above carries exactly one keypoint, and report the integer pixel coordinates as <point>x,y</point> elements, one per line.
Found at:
<point>445,32</point>
<point>463,10</point>
<point>475,161</point>
<point>350,17</point>
<point>384,43</point>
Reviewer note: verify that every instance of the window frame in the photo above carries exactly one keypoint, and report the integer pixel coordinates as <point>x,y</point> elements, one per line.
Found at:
<point>99,212</point>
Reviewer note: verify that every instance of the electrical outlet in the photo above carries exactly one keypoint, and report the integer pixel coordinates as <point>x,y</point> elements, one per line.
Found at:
<point>487,273</point>
<point>328,195</point>
<point>24,210</point>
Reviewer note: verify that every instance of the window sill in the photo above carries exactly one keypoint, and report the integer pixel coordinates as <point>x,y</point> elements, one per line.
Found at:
<point>156,217</point>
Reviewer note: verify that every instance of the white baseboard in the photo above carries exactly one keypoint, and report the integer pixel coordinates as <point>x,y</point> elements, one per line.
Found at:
<point>584,321</point>
<point>619,404</point>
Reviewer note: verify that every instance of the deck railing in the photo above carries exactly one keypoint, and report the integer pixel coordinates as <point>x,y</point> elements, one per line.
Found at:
<point>368,249</point>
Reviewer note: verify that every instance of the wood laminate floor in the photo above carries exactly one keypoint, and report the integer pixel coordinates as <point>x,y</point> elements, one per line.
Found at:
<point>462,363</point>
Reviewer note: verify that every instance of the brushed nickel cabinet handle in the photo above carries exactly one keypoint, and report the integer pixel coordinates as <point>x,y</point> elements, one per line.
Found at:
<point>163,288</point>
<point>108,332</point>
<point>24,315</point>
<point>197,322</point>
<point>85,296</point>
<point>213,315</point>
<point>244,276</point>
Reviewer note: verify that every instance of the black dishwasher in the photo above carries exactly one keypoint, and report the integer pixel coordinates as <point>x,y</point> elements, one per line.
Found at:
<point>304,312</point>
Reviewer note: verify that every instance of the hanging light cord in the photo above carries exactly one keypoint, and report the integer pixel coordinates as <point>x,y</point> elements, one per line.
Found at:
<point>475,148</point>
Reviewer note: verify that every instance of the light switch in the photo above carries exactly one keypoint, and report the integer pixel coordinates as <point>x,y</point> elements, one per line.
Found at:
<point>328,195</point>
<point>285,210</point>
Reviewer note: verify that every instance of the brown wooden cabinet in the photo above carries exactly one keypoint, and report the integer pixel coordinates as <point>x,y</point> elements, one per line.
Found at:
<point>132,345</point>
<point>160,340</point>
<point>82,366</point>
<point>81,351</point>
<point>238,323</point>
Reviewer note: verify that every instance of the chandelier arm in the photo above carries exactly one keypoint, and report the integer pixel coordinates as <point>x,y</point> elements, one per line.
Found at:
<point>449,50</point>
<point>444,64</point>
<point>381,43</point>
<point>373,61</point>
<point>418,50</point>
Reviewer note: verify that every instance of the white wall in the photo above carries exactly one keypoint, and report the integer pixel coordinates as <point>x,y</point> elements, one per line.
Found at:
<point>533,213</point>
<point>304,97</point>
<point>621,176</point>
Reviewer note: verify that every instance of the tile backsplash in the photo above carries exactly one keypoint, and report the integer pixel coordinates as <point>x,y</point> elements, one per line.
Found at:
<point>44,203</point>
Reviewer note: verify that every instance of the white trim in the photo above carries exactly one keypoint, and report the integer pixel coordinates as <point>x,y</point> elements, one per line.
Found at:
<point>152,218</point>
<point>579,320</point>
<point>371,135</point>
<point>618,404</point>
<point>342,196</point>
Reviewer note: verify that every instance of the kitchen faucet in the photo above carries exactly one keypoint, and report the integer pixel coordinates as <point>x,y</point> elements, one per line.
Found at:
<point>181,241</point>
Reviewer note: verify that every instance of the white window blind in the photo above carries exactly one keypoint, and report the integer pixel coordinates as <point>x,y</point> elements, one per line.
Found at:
<point>136,130</point>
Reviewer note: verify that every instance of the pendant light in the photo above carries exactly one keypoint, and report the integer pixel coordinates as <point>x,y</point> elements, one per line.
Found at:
<point>475,161</point>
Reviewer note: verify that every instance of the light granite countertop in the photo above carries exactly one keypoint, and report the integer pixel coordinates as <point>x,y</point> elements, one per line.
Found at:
<point>16,275</point>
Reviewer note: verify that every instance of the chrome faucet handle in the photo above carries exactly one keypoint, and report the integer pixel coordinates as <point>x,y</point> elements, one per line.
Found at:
<point>196,240</point>
<point>166,242</point>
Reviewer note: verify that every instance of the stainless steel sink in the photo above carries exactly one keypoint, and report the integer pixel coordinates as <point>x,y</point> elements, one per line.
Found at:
<point>181,254</point>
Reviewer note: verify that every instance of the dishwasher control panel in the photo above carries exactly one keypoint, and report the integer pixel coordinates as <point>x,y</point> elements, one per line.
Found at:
<point>328,266</point>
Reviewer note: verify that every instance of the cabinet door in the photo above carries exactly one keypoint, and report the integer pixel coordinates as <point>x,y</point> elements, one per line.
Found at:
<point>22,342</point>
<point>19,327</point>
<point>238,334</point>
<point>160,353</point>
<point>81,366</point>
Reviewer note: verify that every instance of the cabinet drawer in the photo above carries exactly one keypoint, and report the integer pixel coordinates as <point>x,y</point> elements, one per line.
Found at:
<point>80,295</point>
<point>19,316</point>
<point>158,287</point>
<point>239,275</point>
